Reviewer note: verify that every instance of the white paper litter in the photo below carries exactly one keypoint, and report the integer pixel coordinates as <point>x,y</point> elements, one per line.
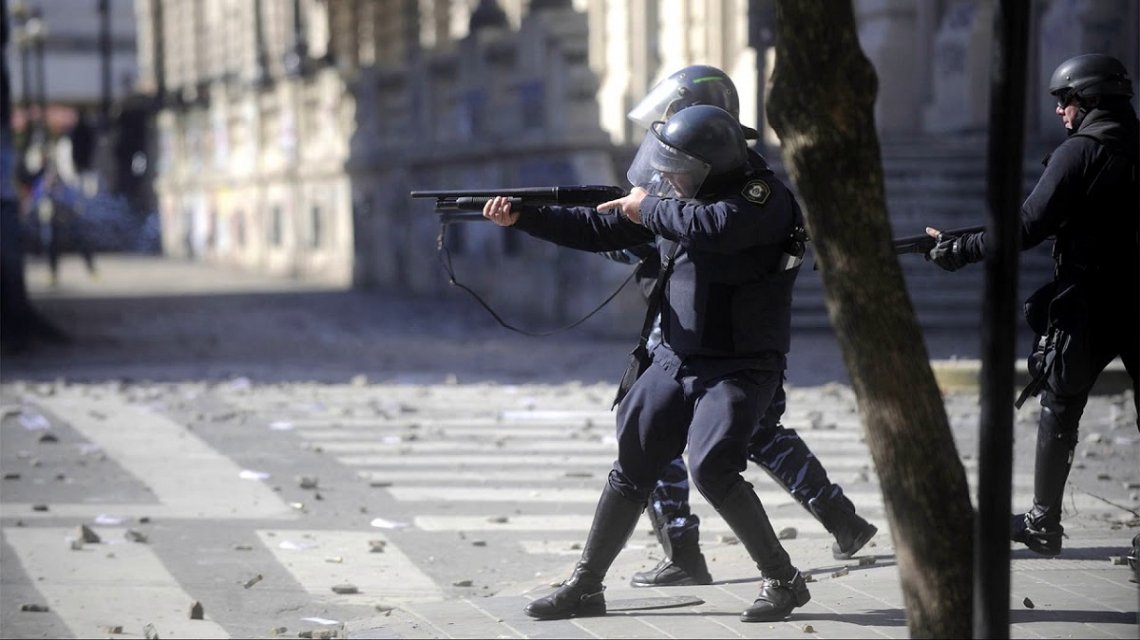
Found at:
<point>381,523</point>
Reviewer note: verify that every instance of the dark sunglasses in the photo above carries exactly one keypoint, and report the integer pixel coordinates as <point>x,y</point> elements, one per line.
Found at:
<point>1064,98</point>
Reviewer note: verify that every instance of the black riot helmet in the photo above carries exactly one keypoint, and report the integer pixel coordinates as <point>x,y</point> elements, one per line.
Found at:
<point>1090,75</point>
<point>696,145</point>
<point>692,85</point>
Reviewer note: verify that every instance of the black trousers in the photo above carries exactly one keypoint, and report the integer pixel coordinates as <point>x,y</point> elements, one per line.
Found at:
<point>701,404</point>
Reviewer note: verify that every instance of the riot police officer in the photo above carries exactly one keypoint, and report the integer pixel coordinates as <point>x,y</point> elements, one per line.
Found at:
<point>1086,199</point>
<point>722,224</point>
<point>778,450</point>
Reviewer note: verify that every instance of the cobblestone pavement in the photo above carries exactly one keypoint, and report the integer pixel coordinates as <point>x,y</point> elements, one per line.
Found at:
<point>323,462</point>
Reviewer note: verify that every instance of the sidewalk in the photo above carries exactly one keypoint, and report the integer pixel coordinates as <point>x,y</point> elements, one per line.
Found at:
<point>1084,593</point>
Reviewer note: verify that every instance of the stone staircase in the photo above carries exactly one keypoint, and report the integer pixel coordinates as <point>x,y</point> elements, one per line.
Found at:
<point>940,183</point>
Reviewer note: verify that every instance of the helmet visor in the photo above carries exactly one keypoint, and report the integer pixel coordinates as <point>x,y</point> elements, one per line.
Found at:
<point>664,170</point>
<point>658,104</point>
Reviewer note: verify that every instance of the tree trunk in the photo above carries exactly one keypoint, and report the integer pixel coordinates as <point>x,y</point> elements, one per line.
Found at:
<point>821,106</point>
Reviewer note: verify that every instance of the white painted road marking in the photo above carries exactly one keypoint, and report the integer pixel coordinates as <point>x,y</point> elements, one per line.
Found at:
<point>188,477</point>
<point>389,576</point>
<point>131,588</point>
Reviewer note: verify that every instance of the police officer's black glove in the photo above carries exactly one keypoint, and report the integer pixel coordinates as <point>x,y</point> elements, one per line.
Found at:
<point>947,253</point>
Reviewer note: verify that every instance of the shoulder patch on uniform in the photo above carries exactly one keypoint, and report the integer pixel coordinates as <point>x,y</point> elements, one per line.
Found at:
<point>756,191</point>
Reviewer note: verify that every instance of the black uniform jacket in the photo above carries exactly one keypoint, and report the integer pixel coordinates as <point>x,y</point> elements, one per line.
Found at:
<point>726,296</point>
<point>1087,198</point>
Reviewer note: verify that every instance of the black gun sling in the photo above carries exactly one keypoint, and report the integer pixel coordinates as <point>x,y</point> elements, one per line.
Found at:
<point>639,358</point>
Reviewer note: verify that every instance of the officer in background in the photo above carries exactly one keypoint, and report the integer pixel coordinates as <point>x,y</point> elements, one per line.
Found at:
<point>779,451</point>
<point>1087,199</point>
<point>722,222</point>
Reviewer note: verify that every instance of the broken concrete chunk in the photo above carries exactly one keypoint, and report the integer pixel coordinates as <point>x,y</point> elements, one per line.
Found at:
<point>1028,603</point>
<point>34,608</point>
<point>87,535</point>
<point>809,629</point>
<point>345,588</point>
<point>150,632</point>
<point>377,546</point>
<point>197,612</point>
<point>787,533</point>
<point>307,482</point>
<point>462,583</point>
<point>134,535</point>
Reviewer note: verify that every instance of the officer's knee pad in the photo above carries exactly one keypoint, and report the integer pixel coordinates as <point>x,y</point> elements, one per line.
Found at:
<point>1057,423</point>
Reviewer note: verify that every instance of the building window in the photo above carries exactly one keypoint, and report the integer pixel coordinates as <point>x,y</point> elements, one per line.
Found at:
<point>276,227</point>
<point>532,104</point>
<point>473,116</point>
<point>315,230</point>
<point>239,229</point>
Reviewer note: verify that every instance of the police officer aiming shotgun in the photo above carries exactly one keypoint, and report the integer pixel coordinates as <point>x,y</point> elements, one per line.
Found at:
<point>466,205</point>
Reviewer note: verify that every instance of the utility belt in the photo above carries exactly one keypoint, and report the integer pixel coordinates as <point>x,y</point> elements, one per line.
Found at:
<point>1058,307</point>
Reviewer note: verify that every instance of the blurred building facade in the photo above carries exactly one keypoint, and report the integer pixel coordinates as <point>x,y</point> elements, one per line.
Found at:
<point>291,131</point>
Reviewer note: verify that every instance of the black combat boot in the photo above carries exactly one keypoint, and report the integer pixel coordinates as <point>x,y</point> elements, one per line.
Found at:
<point>777,598</point>
<point>583,594</point>
<point>1036,531</point>
<point>838,516</point>
<point>782,588</point>
<point>1040,529</point>
<point>683,565</point>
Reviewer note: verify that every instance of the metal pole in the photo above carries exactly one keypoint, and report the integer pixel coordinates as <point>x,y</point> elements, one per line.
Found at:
<point>999,310</point>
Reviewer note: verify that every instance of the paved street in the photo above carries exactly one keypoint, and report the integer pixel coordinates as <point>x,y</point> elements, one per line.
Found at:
<point>302,460</point>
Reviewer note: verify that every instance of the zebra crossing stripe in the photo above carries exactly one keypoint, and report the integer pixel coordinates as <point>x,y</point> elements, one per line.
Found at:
<point>186,475</point>
<point>451,434</point>
<point>467,476</point>
<point>440,446</point>
<point>601,462</point>
<point>151,595</point>
<point>322,559</point>
<point>580,523</point>
<point>511,445</point>
<point>562,495</point>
